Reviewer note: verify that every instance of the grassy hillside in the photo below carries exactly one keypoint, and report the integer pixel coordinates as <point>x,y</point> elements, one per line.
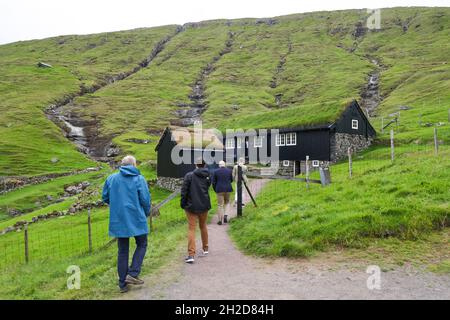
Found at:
<point>28,140</point>
<point>254,73</point>
<point>285,71</point>
<point>405,199</point>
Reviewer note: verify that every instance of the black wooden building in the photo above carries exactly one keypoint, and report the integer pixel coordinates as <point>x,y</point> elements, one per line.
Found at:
<point>210,148</point>
<point>322,143</point>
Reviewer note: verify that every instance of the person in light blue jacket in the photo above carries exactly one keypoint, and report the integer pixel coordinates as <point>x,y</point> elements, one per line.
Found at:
<point>129,200</point>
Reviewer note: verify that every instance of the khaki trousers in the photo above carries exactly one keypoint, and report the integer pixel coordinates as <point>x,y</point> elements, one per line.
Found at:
<point>192,221</point>
<point>223,199</point>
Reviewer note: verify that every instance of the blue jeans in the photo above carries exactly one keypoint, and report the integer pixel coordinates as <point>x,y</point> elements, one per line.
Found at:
<point>138,257</point>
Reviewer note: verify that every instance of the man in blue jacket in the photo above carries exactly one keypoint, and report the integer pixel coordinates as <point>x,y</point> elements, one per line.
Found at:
<point>129,201</point>
<point>221,181</point>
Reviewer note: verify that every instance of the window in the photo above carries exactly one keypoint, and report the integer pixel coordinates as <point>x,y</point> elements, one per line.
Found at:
<point>280,139</point>
<point>291,139</point>
<point>355,124</point>
<point>285,163</point>
<point>315,163</point>
<point>229,143</point>
<point>258,142</point>
<point>239,142</point>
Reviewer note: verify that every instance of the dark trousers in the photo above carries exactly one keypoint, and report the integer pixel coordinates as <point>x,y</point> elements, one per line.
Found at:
<point>138,257</point>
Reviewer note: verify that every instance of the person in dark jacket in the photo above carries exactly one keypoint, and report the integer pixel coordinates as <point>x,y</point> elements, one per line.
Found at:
<point>221,181</point>
<point>196,203</point>
<point>129,201</point>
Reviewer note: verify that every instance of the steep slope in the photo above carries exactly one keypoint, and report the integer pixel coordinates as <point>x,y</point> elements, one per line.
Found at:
<point>28,140</point>
<point>282,71</point>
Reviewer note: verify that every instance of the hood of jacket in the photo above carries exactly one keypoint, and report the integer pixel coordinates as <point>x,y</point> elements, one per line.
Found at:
<point>201,172</point>
<point>129,171</point>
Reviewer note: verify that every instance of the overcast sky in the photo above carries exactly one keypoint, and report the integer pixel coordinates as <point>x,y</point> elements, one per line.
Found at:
<point>34,19</point>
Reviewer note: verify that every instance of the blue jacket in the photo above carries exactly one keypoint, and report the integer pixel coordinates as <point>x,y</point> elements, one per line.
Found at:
<point>222,179</point>
<point>129,200</point>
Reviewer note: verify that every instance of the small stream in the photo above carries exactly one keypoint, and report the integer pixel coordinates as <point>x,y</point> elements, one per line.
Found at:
<point>370,95</point>
<point>76,134</point>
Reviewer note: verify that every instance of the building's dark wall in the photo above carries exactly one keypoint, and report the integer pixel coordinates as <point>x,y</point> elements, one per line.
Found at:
<point>314,143</point>
<point>353,112</point>
<point>165,166</point>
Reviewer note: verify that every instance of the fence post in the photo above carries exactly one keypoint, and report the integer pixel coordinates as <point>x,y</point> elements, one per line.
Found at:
<point>436,145</point>
<point>307,171</point>
<point>25,232</point>
<point>89,230</point>
<point>239,191</point>
<point>392,145</point>
<point>350,163</point>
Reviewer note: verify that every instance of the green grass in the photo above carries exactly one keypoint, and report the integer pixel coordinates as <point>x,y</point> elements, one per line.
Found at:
<point>402,200</point>
<point>383,204</point>
<point>58,243</point>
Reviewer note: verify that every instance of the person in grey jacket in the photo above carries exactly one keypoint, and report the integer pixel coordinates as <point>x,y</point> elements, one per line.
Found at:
<point>196,203</point>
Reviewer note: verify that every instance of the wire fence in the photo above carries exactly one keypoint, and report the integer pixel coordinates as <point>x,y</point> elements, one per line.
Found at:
<point>54,239</point>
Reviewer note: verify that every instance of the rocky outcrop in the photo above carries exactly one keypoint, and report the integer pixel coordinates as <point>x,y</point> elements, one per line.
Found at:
<point>8,184</point>
<point>370,94</point>
<point>77,207</point>
<point>168,183</point>
<point>189,113</point>
<point>76,189</point>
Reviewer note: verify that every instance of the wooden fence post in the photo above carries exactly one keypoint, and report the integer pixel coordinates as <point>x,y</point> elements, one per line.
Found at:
<point>25,232</point>
<point>89,230</point>
<point>239,191</point>
<point>436,145</point>
<point>307,171</point>
<point>392,145</point>
<point>350,163</point>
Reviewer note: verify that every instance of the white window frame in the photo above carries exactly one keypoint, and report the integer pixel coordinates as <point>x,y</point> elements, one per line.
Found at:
<point>355,124</point>
<point>239,142</point>
<point>229,143</point>
<point>280,139</point>
<point>286,163</point>
<point>258,141</point>
<point>315,163</point>
<point>292,139</point>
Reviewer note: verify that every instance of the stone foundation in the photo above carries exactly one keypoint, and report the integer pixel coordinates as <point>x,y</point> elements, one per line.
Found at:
<point>340,142</point>
<point>169,183</point>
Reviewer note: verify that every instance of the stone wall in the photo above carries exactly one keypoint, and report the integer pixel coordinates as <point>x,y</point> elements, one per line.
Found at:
<point>168,183</point>
<point>286,170</point>
<point>340,142</point>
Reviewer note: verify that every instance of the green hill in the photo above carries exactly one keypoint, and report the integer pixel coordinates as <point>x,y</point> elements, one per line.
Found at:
<point>246,73</point>
<point>325,62</point>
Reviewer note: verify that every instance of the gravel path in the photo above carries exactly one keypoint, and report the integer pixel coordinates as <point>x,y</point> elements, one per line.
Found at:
<point>228,274</point>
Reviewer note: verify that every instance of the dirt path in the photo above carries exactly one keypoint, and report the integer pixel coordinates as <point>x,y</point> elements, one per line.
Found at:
<point>228,274</point>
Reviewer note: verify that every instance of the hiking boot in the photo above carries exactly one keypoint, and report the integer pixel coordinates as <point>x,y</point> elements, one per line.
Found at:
<point>219,223</point>
<point>225,219</point>
<point>124,289</point>
<point>189,259</point>
<point>133,280</point>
